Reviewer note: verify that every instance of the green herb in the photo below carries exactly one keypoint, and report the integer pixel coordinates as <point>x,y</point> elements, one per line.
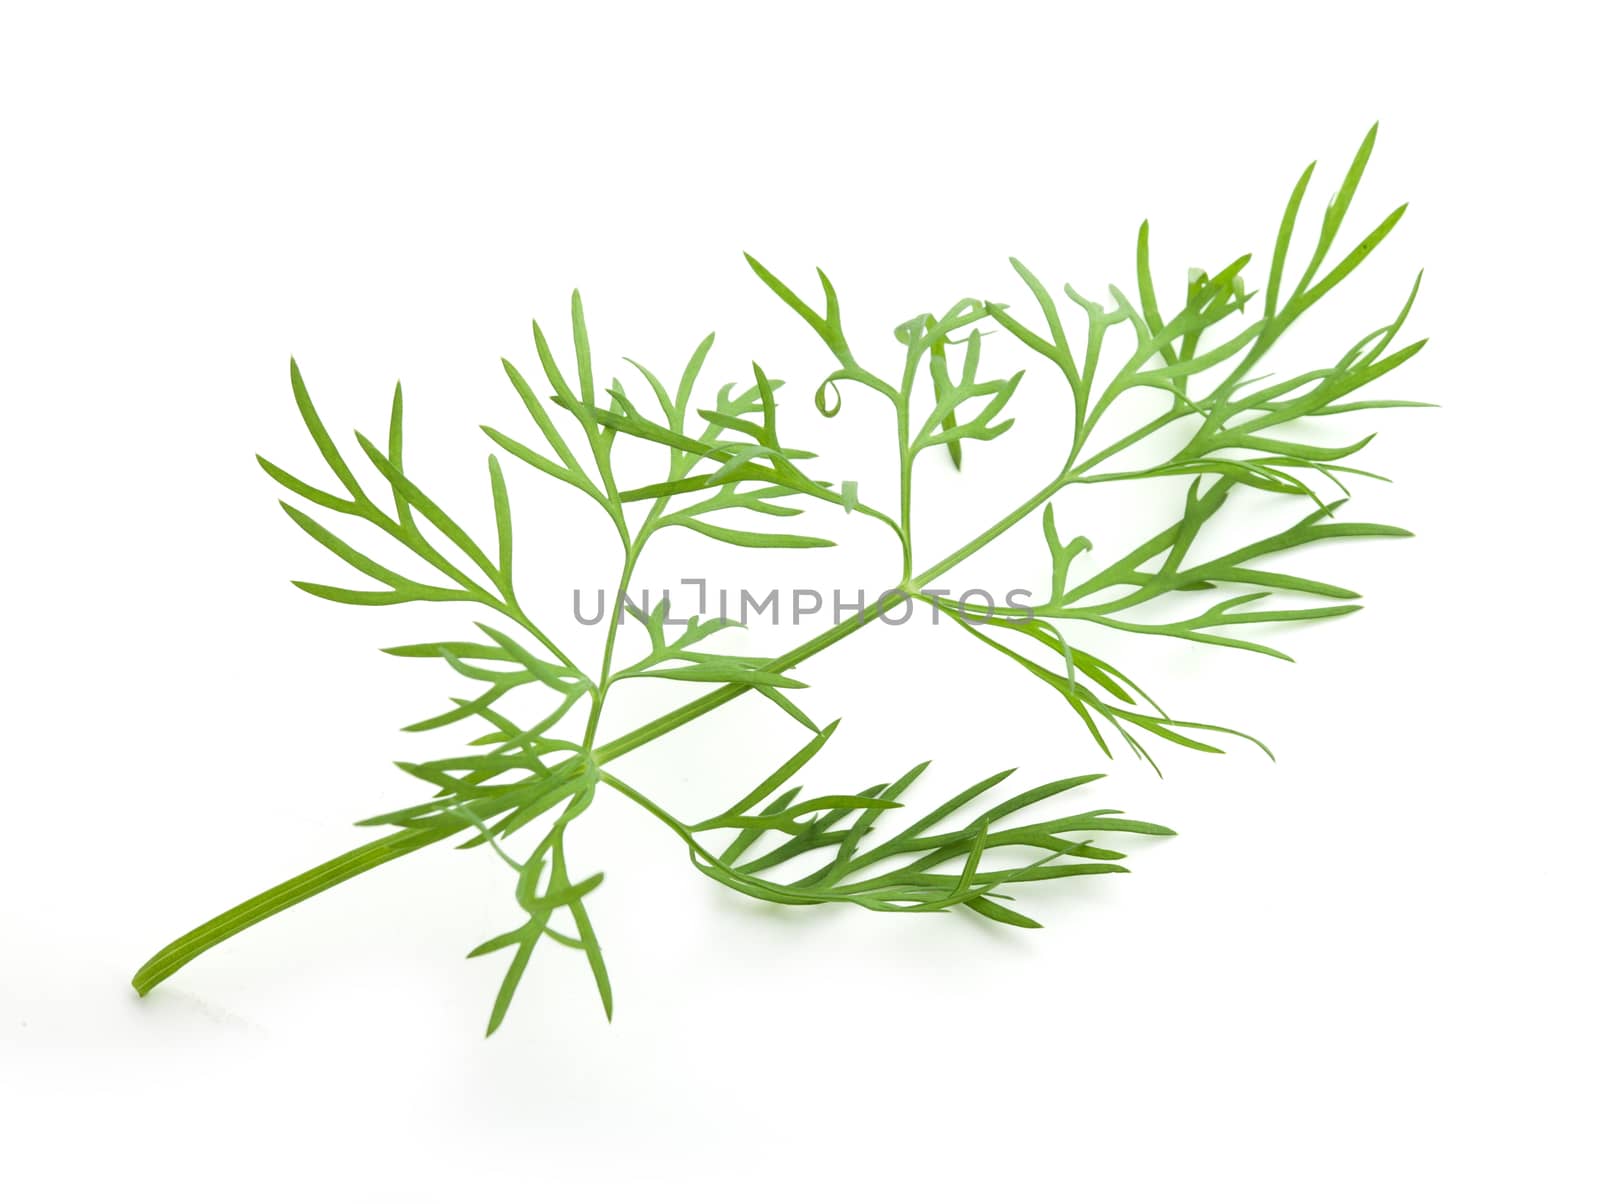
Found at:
<point>724,460</point>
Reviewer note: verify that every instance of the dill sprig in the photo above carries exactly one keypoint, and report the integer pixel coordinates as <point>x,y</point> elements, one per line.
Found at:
<point>535,758</point>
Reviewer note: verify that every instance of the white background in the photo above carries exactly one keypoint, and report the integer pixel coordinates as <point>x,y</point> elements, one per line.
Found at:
<point>1360,973</point>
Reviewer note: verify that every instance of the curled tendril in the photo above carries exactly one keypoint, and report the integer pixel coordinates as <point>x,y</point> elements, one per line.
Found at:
<point>855,374</point>
<point>822,396</point>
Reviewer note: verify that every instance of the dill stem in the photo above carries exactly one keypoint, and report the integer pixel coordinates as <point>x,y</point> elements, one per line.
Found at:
<point>603,685</point>
<point>988,536</point>
<point>902,420</point>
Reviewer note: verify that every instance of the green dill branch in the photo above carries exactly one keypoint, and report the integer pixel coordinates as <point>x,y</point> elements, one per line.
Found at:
<point>736,465</point>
